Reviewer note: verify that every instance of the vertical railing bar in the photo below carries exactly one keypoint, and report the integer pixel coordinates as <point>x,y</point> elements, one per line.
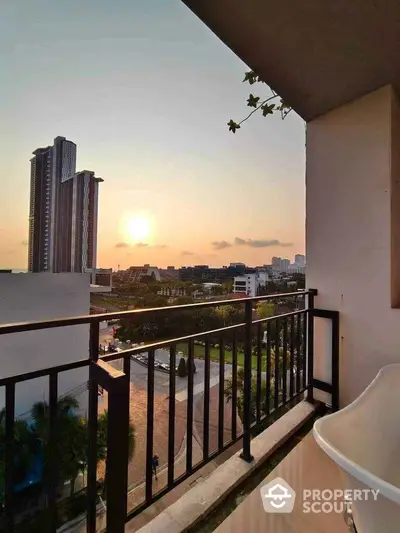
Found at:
<point>150,426</point>
<point>189,416</point>
<point>335,361</point>
<point>292,341</point>
<point>298,353</point>
<point>221,398</point>
<point>276,365</point>
<point>171,415</point>
<point>92,430</point>
<point>9,458</point>
<point>309,346</point>
<point>206,405</point>
<point>268,369</point>
<point>284,360</point>
<point>126,365</point>
<point>258,379</point>
<point>127,372</point>
<point>234,386</point>
<point>305,355</point>
<point>246,453</point>
<point>53,449</point>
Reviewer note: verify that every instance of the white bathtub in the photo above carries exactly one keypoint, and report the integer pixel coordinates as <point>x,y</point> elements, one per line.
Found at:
<point>364,440</point>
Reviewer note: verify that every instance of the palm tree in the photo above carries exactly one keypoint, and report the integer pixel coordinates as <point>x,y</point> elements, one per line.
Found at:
<point>102,426</point>
<point>25,447</point>
<point>70,442</point>
<point>228,392</point>
<point>102,429</point>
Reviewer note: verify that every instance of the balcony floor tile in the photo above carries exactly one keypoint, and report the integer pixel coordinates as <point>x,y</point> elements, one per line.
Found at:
<point>305,467</point>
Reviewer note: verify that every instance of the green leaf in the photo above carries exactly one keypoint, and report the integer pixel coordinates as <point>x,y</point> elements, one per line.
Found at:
<point>284,106</point>
<point>252,100</point>
<point>267,109</point>
<point>251,77</point>
<point>233,126</point>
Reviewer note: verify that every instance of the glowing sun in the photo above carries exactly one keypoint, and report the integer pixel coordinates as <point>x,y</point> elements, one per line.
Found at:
<point>138,228</point>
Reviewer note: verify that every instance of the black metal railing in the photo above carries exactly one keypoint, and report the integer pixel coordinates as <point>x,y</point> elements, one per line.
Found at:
<point>274,370</point>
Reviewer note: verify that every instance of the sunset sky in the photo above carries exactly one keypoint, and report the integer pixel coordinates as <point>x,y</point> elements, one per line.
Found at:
<point>145,90</point>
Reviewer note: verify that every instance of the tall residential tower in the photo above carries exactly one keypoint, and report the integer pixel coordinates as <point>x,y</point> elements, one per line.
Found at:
<point>63,211</point>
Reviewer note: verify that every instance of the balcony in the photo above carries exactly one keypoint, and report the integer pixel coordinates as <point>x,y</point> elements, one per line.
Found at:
<point>245,376</point>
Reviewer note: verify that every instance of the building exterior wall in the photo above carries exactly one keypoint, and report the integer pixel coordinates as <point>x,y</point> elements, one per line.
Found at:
<point>300,260</point>
<point>247,284</point>
<point>83,249</point>
<point>351,232</point>
<point>42,296</point>
<point>64,236</point>
<point>63,167</point>
<point>49,209</point>
<point>204,273</point>
<point>39,211</point>
<point>63,211</point>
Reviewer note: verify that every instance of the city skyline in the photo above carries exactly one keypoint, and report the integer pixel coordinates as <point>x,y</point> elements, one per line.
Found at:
<point>148,90</point>
<point>298,260</point>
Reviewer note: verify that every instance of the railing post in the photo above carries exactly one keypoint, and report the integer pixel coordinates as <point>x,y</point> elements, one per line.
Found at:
<point>117,454</point>
<point>92,428</point>
<point>310,344</point>
<point>246,453</point>
<point>117,384</point>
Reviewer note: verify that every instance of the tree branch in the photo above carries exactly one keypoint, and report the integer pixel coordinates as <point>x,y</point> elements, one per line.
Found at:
<point>257,108</point>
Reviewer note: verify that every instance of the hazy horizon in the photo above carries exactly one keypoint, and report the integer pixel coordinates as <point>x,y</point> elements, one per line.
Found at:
<point>145,91</point>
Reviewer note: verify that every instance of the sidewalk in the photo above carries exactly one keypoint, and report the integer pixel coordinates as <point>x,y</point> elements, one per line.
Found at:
<point>156,508</point>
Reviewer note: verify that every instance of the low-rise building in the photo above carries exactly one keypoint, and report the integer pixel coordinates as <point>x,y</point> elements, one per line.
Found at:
<point>44,296</point>
<point>207,274</point>
<point>172,291</point>
<point>136,273</point>
<point>247,284</point>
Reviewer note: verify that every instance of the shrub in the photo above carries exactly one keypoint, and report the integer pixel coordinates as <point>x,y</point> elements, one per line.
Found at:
<point>76,506</point>
<point>182,371</point>
<point>193,367</point>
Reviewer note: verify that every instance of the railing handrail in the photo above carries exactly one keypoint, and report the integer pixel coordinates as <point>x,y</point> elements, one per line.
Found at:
<point>19,327</point>
<point>137,350</point>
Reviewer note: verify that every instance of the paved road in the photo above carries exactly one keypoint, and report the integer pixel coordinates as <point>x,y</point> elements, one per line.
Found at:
<point>161,379</point>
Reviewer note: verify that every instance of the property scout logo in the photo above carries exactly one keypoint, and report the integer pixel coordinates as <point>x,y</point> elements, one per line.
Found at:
<point>279,497</point>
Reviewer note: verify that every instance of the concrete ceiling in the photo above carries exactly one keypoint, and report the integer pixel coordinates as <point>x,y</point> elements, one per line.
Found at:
<point>316,54</point>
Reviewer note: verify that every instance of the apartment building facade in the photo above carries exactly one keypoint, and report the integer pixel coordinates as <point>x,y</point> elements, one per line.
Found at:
<point>63,211</point>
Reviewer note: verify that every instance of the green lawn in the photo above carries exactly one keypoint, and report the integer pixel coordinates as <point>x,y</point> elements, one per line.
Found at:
<point>214,355</point>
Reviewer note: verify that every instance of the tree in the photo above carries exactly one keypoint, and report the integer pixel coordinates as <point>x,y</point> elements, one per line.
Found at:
<point>102,429</point>
<point>228,389</point>
<point>227,286</point>
<point>25,448</point>
<point>230,314</point>
<point>267,106</point>
<point>217,290</point>
<point>265,309</point>
<point>183,300</point>
<point>72,442</point>
<point>148,278</point>
<point>182,370</point>
<point>71,435</point>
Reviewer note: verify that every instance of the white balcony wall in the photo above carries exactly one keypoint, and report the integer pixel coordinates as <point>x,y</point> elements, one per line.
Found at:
<point>43,296</point>
<point>352,235</point>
